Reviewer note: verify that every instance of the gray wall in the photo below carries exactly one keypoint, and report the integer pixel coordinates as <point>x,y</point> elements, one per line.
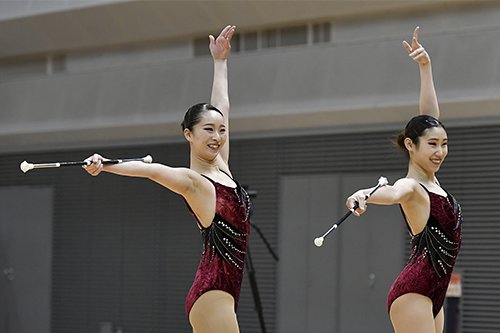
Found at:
<point>342,286</point>
<point>363,77</point>
<point>312,109</point>
<point>26,218</point>
<point>125,250</point>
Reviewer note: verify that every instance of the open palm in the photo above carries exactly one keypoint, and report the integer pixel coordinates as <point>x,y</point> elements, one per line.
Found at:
<point>221,46</point>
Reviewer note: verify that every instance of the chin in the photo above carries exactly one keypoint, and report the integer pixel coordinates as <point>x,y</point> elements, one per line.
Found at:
<point>211,157</point>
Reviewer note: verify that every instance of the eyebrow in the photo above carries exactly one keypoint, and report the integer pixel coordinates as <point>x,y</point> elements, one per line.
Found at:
<point>437,139</point>
<point>212,124</point>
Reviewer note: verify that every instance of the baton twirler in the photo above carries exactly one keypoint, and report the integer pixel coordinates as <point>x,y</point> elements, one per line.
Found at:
<point>382,181</point>
<point>25,166</point>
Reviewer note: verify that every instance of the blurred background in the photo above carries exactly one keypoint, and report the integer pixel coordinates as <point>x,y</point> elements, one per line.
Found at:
<point>318,89</point>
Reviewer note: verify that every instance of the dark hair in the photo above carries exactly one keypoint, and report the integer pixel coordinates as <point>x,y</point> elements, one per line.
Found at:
<point>193,114</point>
<point>415,129</point>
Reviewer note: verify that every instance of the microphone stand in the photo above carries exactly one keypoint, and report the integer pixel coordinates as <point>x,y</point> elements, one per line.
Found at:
<point>251,271</point>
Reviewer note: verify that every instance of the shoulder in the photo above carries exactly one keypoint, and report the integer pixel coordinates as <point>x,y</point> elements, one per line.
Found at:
<point>409,183</point>
<point>195,183</point>
<point>409,188</point>
<point>199,181</point>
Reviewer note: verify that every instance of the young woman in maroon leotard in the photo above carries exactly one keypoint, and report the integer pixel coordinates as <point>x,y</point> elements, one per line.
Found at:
<point>221,207</point>
<point>433,217</point>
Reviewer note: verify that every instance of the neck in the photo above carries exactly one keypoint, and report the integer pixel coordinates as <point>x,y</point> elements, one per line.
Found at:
<point>419,174</point>
<point>202,166</point>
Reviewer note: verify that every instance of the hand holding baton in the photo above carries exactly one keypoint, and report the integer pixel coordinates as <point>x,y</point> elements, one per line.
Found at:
<point>25,166</point>
<point>319,240</point>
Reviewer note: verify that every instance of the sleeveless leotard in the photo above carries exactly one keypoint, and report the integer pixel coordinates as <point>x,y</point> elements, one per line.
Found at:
<point>433,254</point>
<point>224,245</point>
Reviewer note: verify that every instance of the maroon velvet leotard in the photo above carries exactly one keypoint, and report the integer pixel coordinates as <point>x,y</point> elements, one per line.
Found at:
<point>224,245</point>
<point>433,254</point>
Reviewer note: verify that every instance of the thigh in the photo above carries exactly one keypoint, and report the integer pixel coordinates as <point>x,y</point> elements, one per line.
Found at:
<point>412,313</point>
<point>439,321</point>
<point>214,312</point>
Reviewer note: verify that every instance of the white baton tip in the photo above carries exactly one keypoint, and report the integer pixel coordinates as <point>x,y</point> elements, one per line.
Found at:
<point>318,241</point>
<point>382,181</point>
<point>148,159</point>
<point>25,166</point>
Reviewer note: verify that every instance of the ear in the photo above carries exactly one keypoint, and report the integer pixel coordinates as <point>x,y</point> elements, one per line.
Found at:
<point>409,144</point>
<point>188,135</point>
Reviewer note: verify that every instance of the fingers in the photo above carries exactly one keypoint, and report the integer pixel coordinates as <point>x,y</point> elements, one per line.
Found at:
<point>420,55</point>
<point>221,46</point>
<point>357,201</point>
<point>417,52</point>
<point>224,31</point>
<point>227,33</point>
<point>361,206</point>
<point>230,33</point>
<point>414,41</point>
<point>94,166</point>
<point>407,46</point>
<point>415,33</point>
<point>421,58</point>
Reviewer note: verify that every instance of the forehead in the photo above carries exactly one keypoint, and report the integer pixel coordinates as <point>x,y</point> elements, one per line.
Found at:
<point>435,132</point>
<point>211,116</point>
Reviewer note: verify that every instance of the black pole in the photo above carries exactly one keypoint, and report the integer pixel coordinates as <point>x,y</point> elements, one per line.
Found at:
<point>269,248</point>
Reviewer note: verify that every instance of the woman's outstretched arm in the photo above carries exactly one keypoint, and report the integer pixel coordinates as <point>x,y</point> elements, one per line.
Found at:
<point>402,191</point>
<point>179,180</point>
<point>198,191</point>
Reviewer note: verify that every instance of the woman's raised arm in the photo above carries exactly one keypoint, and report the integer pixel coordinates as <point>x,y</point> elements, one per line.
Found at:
<point>428,103</point>
<point>220,48</point>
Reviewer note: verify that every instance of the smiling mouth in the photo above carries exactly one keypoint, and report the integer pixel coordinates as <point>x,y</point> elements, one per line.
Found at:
<point>437,162</point>
<point>215,147</point>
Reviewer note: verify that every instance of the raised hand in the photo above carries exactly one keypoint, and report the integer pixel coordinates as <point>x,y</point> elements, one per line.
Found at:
<point>221,46</point>
<point>416,51</point>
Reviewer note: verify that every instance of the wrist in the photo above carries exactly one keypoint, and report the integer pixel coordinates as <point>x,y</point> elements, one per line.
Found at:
<point>220,60</point>
<point>362,193</point>
<point>426,65</point>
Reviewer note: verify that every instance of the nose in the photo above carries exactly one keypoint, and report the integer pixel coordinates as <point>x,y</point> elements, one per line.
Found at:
<point>440,151</point>
<point>216,136</point>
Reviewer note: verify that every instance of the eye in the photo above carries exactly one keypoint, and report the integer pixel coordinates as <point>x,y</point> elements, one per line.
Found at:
<point>208,129</point>
<point>223,130</point>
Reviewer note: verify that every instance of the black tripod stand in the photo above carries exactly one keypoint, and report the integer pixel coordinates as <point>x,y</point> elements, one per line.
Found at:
<point>251,271</point>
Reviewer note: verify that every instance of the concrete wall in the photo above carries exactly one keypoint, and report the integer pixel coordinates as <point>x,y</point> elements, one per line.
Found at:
<point>126,73</point>
<point>361,79</point>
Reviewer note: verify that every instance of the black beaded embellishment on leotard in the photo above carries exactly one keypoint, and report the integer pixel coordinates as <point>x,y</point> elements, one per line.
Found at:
<point>436,244</point>
<point>225,240</point>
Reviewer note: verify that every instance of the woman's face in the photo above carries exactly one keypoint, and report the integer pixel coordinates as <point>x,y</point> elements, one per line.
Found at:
<point>208,135</point>
<point>431,149</point>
